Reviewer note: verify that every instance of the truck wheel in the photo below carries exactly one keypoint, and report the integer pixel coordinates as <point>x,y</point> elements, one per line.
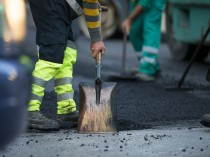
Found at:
<point>182,51</point>
<point>179,51</point>
<point>202,54</point>
<point>109,20</point>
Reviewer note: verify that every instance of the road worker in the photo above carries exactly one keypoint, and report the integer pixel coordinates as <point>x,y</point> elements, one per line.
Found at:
<point>57,55</point>
<point>143,25</point>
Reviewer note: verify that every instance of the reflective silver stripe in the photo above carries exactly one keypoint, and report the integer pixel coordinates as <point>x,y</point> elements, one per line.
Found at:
<point>37,47</point>
<point>150,49</point>
<point>39,81</point>
<point>63,81</point>
<point>71,44</point>
<point>36,97</point>
<point>75,6</point>
<point>65,96</point>
<point>152,61</point>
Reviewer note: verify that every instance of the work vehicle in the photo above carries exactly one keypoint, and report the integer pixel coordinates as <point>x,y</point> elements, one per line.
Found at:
<point>186,23</point>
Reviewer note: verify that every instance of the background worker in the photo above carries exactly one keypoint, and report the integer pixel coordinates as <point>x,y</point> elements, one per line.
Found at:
<point>143,26</point>
<point>57,55</point>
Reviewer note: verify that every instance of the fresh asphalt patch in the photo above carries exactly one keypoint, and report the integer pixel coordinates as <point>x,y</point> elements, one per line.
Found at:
<point>148,105</point>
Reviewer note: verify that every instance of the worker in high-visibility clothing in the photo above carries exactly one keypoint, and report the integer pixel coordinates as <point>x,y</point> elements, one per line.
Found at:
<point>57,55</point>
<point>143,25</point>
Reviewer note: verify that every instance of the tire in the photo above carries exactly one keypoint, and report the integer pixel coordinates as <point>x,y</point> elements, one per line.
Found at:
<point>182,51</point>
<point>110,21</point>
<point>202,54</point>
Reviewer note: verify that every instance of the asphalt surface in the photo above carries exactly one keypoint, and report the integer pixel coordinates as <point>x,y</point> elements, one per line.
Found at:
<point>170,142</point>
<point>143,105</point>
<point>152,121</point>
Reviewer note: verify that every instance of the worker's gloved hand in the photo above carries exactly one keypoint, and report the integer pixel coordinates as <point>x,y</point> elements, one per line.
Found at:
<point>126,25</point>
<point>97,47</point>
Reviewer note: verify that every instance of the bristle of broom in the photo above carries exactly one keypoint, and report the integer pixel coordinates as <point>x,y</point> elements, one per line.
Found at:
<point>96,118</point>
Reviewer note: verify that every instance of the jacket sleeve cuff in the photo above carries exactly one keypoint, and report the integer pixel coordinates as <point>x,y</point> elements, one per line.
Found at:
<point>95,35</point>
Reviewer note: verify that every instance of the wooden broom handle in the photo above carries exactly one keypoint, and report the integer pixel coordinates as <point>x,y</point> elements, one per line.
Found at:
<point>98,58</point>
<point>101,9</point>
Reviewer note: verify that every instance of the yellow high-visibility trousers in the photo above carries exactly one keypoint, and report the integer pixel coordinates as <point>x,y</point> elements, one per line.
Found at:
<point>62,74</point>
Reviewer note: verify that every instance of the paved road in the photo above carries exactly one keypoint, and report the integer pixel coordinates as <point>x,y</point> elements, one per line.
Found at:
<point>144,105</point>
<point>167,142</point>
<point>152,121</point>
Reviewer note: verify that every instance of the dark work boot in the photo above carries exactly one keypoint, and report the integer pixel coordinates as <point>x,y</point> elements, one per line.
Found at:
<point>205,120</point>
<point>69,120</point>
<point>38,121</point>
